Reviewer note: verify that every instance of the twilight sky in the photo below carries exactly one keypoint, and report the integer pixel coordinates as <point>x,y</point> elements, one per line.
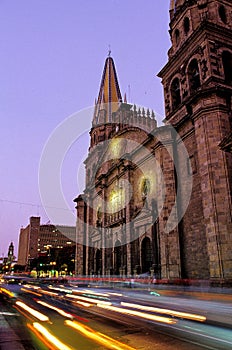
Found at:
<point>52,55</point>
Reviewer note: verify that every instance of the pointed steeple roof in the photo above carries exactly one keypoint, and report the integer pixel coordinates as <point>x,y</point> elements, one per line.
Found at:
<point>109,95</point>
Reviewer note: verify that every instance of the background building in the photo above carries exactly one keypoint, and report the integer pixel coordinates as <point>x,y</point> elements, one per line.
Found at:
<point>37,240</point>
<point>7,263</point>
<point>125,216</point>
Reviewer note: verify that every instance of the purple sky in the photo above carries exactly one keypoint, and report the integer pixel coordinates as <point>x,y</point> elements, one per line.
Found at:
<point>52,55</point>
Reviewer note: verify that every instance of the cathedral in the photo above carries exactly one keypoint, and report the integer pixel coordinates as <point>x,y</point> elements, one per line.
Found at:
<point>157,200</point>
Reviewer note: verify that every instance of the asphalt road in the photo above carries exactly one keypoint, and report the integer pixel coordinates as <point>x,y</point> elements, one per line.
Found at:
<point>94,318</point>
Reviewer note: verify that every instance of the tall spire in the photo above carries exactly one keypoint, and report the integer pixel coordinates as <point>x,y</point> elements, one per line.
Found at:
<point>109,95</point>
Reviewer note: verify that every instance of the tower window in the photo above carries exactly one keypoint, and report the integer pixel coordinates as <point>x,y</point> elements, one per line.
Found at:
<point>186,25</point>
<point>177,36</point>
<point>175,93</point>
<point>194,76</point>
<point>227,65</point>
<point>222,13</point>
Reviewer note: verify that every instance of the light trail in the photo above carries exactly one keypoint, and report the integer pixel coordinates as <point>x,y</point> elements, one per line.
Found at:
<point>31,311</point>
<point>50,340</point>
<point>93,301</point>
<point>31,292</point>
<point>7,292</point>
<point>138,313</point>
<point>109,343</point>
<point>189,316</point>
<point>60,311</point>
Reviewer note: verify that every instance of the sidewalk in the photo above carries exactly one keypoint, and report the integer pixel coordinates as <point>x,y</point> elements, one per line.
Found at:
<point>8,338</point>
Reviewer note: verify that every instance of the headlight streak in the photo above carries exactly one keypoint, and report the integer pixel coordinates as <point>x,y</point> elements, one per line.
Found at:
<point>89,299</point>
<point>60,289</point>
<point>50,340</point>
<point>31,286</point>
<point>189,316</point>
<point>24,313</point>
<point>31,292</point>
<point>85,291</point>
<point>60,311</point>
<point>7,292</point>
<point>52,294</point>
<point>98,337</point>
<point>82,303</point>
<point>33,312</point>
<point>139,314</point>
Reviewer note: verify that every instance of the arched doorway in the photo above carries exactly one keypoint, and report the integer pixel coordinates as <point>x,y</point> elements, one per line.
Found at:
<point>117,257</point>
<point>146,255</point>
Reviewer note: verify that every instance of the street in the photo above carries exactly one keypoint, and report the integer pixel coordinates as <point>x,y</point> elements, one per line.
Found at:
<point>51,316</point>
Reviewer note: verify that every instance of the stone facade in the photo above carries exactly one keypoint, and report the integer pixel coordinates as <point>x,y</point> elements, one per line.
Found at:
<point>158,199</point>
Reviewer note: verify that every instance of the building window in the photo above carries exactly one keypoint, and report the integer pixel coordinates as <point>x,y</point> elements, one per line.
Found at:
<point>227,66</point>
<point>186,25</point>
<point>194,75</point>
<point>177,36</point>
<point>222,13</point>
<point>175,93</point>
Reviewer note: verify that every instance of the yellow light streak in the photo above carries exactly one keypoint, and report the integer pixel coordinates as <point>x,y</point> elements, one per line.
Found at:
<point>89,299</point>
<point>6,291</point>
<point>60,289</point>
<point>93,293</point>
<point>31,286</point>
<point>82,303</point>
<point>166,311</point>
<point>109,343</point>
<point>139,314</point>
<point>33,312</point>
<point>48,293</point>
<point>31,292</point>
<point>54,342</point>
<point>60,311</point>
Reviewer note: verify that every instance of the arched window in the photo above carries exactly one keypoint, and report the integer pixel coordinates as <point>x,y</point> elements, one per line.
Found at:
<point>227,65</point>
<point>186,25</point>
<point>194,76</point>
<point>175,93</point>
<point>177,36</point>
<point>222,13</point>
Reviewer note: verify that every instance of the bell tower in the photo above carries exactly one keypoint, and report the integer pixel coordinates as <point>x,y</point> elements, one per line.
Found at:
<point>197,83</point>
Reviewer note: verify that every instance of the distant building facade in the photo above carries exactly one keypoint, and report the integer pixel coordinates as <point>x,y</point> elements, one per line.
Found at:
<point>7,263</point>
<point>36,240</point>
<point>123,214</point>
